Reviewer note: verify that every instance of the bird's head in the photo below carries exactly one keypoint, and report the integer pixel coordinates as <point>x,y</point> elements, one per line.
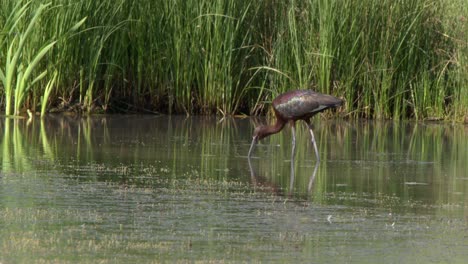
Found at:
<point>259,133</point>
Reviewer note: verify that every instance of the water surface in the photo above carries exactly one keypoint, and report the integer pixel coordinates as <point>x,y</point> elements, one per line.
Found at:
<point>161,189</point>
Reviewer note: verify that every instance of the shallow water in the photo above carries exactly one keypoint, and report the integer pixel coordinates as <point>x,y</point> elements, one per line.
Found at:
<point>163,189</point>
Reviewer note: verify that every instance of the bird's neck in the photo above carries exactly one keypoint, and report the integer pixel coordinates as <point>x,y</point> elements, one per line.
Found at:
<point>272,129</point>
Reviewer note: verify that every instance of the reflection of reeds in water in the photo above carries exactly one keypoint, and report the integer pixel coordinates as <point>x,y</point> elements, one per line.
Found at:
<point>15,149</point>
<point>376,159</point>
<point>6,146</point>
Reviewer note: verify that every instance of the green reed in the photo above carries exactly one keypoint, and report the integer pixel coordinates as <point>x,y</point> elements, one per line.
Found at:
<point>19,61</point>
<point>388,59</point>
<point>23,47</point>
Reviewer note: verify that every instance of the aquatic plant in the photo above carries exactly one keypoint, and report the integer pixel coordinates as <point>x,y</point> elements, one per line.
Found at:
<point>19,62</point>
<point>22,47</point>
<point>388,59</point>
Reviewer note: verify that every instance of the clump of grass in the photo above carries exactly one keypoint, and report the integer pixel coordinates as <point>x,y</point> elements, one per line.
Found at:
<point>388,60</point>
<point>20,62</point>
<point>25,47</point>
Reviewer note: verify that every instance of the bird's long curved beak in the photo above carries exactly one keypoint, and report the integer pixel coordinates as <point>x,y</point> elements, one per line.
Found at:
<point>254,142</point>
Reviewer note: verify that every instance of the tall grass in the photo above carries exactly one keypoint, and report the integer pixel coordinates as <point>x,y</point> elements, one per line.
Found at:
<point>19,61</point>
<point>23,47</point>
<point>404,59</point>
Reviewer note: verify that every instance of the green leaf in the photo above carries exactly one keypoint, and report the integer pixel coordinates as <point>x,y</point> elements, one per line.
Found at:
<point>78,25</point>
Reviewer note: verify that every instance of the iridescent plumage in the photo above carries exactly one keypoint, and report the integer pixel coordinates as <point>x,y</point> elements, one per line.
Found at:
<point>303,104</point>
<point>292,106</point>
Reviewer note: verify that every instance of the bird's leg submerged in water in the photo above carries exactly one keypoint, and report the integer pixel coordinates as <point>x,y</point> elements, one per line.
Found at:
<point>293,129</point>
<point>312,177</point>
<point>313,140</point>
<point>293,154</point>
<point>252,172</point>
<point>252,145</point>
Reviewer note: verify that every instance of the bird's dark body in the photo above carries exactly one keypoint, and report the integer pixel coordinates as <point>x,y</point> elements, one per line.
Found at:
<point>303,104</point>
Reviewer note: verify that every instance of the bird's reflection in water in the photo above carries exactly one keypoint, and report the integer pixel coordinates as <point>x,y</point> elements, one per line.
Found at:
<point>261,181</point>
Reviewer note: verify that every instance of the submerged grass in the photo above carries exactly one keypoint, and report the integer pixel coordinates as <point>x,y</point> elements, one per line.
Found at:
<point>405,59</point>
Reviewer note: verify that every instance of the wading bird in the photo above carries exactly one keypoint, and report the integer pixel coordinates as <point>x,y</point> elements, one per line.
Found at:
<point>292,106</point>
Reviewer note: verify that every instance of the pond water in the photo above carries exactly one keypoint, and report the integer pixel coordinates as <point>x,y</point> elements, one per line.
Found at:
<point>120,189</point>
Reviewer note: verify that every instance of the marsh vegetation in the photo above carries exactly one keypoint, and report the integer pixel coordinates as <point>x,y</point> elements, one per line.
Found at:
<point>388,59</point>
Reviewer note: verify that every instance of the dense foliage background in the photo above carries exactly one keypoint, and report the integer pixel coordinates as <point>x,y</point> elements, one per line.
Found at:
<point>388,59</point>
